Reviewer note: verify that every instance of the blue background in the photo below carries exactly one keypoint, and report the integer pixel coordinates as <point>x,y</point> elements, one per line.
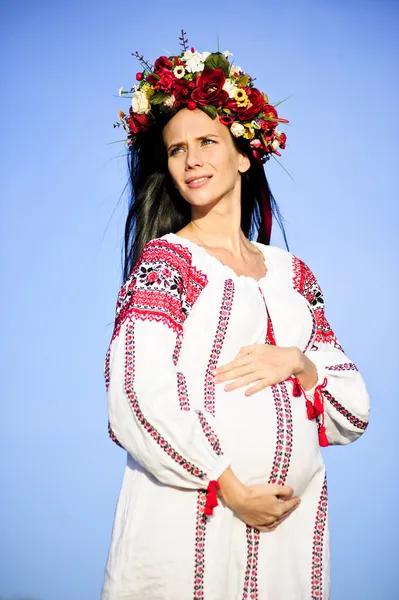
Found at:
<point>62,219</point>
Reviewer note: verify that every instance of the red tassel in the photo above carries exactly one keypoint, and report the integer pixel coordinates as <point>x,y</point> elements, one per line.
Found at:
<point>265,228</point>
<point>297,388</point>
<point>323,441</point>
<point>211,499</point>
<point>310,410</point>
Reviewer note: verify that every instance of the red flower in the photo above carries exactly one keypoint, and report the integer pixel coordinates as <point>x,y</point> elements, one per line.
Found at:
<point>162,63</point>
<point>282,138</point>
<point>270,112</point>
<point>180,87</point>
<point>152,79</point>
<point>138,123</point>
<point>209,88</point>
<point>166,82</point>
<point>226,120</point>
<point>255,106</point>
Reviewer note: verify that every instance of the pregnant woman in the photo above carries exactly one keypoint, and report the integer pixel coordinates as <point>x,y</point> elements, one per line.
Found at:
<point>223,375</point>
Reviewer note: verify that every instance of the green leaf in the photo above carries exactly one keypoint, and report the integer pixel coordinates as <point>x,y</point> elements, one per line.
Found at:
<point>283,167</point>
<point>210,110</point>
<point>217,60</point>
<point>265,97</point>
<point>243,80</point>
<point>281,101</point>
<point>158,97</point>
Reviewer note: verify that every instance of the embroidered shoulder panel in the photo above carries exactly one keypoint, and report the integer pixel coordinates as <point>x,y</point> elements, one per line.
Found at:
<point>163,286</point>
<point>307,285</point>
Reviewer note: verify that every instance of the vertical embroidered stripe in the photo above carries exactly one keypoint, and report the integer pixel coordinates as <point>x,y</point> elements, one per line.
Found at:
<point>224,316</point>
<point>250,590</point>
<point>318,541</point>
<point>135,404</point>
<point>199,560</point>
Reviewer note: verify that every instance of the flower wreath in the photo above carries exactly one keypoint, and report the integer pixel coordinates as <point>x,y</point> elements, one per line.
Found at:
<point>207,81</point>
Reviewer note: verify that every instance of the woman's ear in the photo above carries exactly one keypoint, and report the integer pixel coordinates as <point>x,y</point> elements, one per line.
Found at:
<point>243,163</point>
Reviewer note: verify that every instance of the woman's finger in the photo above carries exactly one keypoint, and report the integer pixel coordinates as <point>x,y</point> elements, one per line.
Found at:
<point>238,362</point>
<point>245,380</point>
<point>239,371</point>
<point>263,383</point>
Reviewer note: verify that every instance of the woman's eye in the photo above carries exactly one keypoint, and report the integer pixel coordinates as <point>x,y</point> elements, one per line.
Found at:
<point>178,148</point>
<point>175,150</point>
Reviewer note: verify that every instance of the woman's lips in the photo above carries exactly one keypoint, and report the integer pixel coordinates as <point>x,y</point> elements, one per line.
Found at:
<point>200,182</point>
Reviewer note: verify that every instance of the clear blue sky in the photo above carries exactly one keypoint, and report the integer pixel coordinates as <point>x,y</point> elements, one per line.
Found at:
<point>61,232</point>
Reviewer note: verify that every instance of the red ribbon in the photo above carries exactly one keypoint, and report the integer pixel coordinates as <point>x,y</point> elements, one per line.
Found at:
<point>265,229</point>
<point>211,499</point>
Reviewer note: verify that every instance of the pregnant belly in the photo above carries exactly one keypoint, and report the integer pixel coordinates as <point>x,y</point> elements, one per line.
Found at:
<point>268,436</point>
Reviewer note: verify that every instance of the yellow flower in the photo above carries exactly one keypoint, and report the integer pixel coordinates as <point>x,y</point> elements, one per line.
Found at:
<point>249,134</point>
<point>240,96</point>
<point>147,89</point>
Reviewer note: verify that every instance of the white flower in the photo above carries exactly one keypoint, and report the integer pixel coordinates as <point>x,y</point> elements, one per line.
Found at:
<point>179,71</point>
<point>120,91</point>
<point>275,145</point>
<point>237,129</point>
<point>227,53</point>
<point>195,61</point>
<point>276,142</point>
<point>169,102</point>
<point>230,87</point>
<point>140,103</point>
<point>235,71</point>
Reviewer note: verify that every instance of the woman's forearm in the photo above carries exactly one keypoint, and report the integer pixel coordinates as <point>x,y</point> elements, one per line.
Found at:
<point>304,370</point>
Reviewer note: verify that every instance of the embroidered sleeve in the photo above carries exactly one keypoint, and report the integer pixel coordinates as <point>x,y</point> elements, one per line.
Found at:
<point>339,400</point>
<point>149,411</point>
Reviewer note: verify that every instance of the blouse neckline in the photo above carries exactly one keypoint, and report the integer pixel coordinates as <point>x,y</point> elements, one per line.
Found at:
<point>201,250</point>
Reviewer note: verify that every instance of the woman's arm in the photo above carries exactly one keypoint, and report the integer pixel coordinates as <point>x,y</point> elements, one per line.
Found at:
<point>338,397</point>
<point>148,407</point>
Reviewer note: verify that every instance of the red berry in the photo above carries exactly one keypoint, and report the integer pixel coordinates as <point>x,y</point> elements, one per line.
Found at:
<point>139,76</point>
<point>191,105</point>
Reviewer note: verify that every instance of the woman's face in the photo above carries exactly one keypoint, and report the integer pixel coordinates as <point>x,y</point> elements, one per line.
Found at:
<point>203,161</point>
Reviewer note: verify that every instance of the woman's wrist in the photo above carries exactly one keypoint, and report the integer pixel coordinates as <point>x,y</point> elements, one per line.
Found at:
<point>232,490</point>
<point>304,369</point>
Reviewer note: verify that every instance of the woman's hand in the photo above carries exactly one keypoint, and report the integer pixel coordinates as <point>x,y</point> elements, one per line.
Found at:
<point>264,363</point>
<point>263,506</point>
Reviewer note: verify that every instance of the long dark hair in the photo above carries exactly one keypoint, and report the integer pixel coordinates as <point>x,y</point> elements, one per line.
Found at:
<point>157,208</point>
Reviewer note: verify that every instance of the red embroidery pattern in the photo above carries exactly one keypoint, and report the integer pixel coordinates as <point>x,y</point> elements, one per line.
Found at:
<point>342,410</point>
<point>312,336</point>
<point>343,367</point>
<point>113,436</point>
<point>317,550</point>
<point>200,531</point>
<point>163,286</point>
<point>177,349</point>
<point>251,571</point>
<point>278,455</point>
<point>279,472</point>
<point>209,433</point>
<point>288,434</point>
<point>150,429</point>
<point>107,368</point>
<point>184,400</point>
<point>306,284</point>
<point>224,315</point>
<point>282,404</point>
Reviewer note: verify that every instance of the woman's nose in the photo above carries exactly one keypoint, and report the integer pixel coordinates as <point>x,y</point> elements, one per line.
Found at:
<point>193,158</point>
